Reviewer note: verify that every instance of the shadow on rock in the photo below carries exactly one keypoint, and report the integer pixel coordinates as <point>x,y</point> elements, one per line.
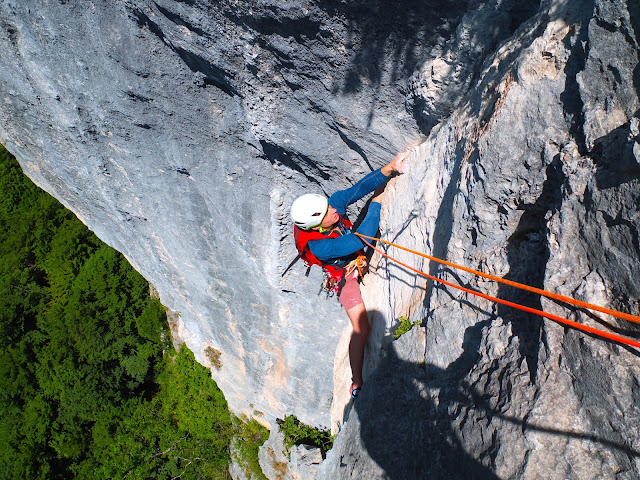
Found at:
<point>384,33</point>
<point>617,155</point>
<point>528,254</point>
<point>407,422</point>
<point>407,432</point>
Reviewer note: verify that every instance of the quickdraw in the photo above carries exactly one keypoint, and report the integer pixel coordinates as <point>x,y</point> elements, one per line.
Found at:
<point>359,263</point>
<point>330,284</point>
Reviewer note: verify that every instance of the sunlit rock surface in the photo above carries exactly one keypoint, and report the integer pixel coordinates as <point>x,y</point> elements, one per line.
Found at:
<point>534,177</point>
<point>180,132</point>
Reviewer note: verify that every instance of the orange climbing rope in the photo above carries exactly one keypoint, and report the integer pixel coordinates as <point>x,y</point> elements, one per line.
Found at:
<point>555,296</point>
<point>578,326</point>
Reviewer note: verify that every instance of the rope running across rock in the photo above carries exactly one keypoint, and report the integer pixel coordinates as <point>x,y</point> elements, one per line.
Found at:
<point>572,301</point>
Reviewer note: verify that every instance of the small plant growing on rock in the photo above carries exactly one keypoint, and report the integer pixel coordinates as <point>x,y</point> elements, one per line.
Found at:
<point>297,433</point>
<point>404,327</point>
<point>214,355</point>
<point>280,468</point>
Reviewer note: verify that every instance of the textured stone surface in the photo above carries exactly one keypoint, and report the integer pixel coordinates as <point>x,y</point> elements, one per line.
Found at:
<point>533,177</point>
<point>306,461</point>
<point>181,132</point>
<point>301,462</point>
<point>273,460</point>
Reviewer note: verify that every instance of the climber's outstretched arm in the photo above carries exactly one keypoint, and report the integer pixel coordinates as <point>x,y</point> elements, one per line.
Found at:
<point>368,184</point>
<point>333,248</point>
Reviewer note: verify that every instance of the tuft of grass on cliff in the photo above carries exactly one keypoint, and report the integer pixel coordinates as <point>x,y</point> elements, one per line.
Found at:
<point>249,436</point>
<point>403,327</point>
<point>297,433</point>
<point>90,385</point>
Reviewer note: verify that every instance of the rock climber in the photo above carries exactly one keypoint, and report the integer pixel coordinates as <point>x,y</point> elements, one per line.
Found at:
<point>324,236</point>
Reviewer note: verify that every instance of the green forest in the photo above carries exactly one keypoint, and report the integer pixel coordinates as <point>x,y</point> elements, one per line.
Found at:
<point>91,384</point>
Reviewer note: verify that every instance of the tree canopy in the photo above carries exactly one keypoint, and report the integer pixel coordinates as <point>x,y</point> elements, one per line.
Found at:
<point>90,385</point>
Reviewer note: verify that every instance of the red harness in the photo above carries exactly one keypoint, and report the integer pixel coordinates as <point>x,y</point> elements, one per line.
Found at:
<point>303,237</point>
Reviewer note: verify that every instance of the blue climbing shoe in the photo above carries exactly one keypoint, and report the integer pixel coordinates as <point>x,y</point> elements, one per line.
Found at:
<point>354,391</point>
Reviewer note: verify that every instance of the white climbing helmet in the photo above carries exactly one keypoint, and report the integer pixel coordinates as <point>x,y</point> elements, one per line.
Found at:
<point>308,210</point>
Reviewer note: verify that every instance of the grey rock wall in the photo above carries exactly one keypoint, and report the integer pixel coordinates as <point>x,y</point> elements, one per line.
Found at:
<point>534,177</point>
<point>300,462</point>
<point>180,132</point>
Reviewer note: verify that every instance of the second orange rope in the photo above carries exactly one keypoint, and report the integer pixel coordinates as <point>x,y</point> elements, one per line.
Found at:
<point>539,291</point>
<point>550,316</point>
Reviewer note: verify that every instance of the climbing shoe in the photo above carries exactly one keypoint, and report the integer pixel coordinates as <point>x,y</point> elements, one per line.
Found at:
<point>355,391</point>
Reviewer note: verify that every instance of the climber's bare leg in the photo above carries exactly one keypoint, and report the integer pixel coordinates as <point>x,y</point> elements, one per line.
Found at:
<point>360,322</point>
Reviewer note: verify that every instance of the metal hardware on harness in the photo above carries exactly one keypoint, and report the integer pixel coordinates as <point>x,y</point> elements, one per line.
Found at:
<point>329,284</point>
<point>359,263</point>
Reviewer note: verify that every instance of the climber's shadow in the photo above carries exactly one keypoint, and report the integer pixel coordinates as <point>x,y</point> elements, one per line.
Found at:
<point>404,430</point>
<point>413,418</point>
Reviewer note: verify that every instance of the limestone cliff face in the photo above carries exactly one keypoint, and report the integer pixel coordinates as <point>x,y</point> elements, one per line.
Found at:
<point>181,131</point>
<point>535,176</point>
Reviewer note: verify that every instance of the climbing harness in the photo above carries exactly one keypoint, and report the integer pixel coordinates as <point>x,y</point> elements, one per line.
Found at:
<point>335,273</point>
<point>572,301</point>
<point>332,284</point>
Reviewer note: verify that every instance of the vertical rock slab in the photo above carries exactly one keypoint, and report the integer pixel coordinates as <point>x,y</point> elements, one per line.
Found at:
<point>180,132</point>
<point>533,177</point>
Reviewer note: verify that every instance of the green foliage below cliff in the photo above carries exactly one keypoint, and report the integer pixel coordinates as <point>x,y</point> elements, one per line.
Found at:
<point>90,386</point>
<point>249,436</point>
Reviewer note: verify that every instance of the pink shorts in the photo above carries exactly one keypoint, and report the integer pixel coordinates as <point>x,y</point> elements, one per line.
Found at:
<point>350,295</point>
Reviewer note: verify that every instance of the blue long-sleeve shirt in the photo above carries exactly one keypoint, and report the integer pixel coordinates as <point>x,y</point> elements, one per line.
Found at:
<point>348,243</point>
